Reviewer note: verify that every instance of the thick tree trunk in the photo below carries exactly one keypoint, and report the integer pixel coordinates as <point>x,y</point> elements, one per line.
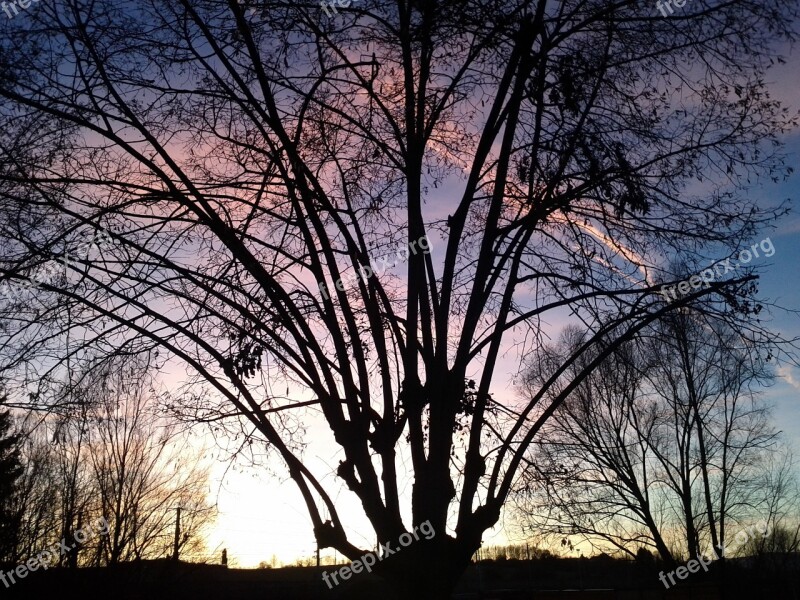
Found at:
<point>428,572</point>
<point>424,570</point>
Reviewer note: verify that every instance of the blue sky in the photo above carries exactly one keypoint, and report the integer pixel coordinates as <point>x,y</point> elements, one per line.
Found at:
<point>779,283</point>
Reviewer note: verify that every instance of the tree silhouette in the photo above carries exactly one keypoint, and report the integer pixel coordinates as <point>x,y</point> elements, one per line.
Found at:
<point>108,453</point>
<point>665,445</point>
<point>10,471</point>
<point>515,161</point>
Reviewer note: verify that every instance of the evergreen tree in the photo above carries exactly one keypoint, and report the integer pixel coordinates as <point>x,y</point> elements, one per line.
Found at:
<point>10,471</point>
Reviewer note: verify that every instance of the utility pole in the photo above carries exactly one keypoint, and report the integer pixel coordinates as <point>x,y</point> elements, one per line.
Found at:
<point>177,535</point>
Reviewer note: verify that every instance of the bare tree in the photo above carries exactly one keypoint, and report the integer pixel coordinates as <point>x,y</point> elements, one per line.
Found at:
<point>776,551</point>
<point>252,168</point>
<point>141,469</point>
<point>708,377</point>
<point>107,451</point>
<point>33,502</point>
<point>75,488</point>
<point>591,476</point>
<point>666,445</point>
<point>780,491</point>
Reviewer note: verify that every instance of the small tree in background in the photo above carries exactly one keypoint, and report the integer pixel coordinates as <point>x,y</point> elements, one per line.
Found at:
<point>36,496</point>
<point>140,466</point>
<point>106,451</point>
<point>666,445</point>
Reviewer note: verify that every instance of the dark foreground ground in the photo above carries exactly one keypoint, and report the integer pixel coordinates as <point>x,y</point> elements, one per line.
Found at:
<point>547,579</point>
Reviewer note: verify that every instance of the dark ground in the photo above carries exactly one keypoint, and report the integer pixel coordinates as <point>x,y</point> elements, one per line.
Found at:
<point>546,579</point>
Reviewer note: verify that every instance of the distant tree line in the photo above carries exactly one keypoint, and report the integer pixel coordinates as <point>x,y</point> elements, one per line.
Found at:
<point>512,552</point>
<point>104,450</point>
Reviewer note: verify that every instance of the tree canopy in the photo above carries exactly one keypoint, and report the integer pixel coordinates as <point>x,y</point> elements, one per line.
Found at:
<point>248,160</point>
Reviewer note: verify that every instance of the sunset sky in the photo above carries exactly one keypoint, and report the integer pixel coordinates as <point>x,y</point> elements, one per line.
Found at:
<point>274,278</point>
<point>261,516</point>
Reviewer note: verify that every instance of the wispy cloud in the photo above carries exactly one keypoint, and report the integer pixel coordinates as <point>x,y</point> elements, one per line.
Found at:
<point>788,375</point>
<point>789,227</point>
